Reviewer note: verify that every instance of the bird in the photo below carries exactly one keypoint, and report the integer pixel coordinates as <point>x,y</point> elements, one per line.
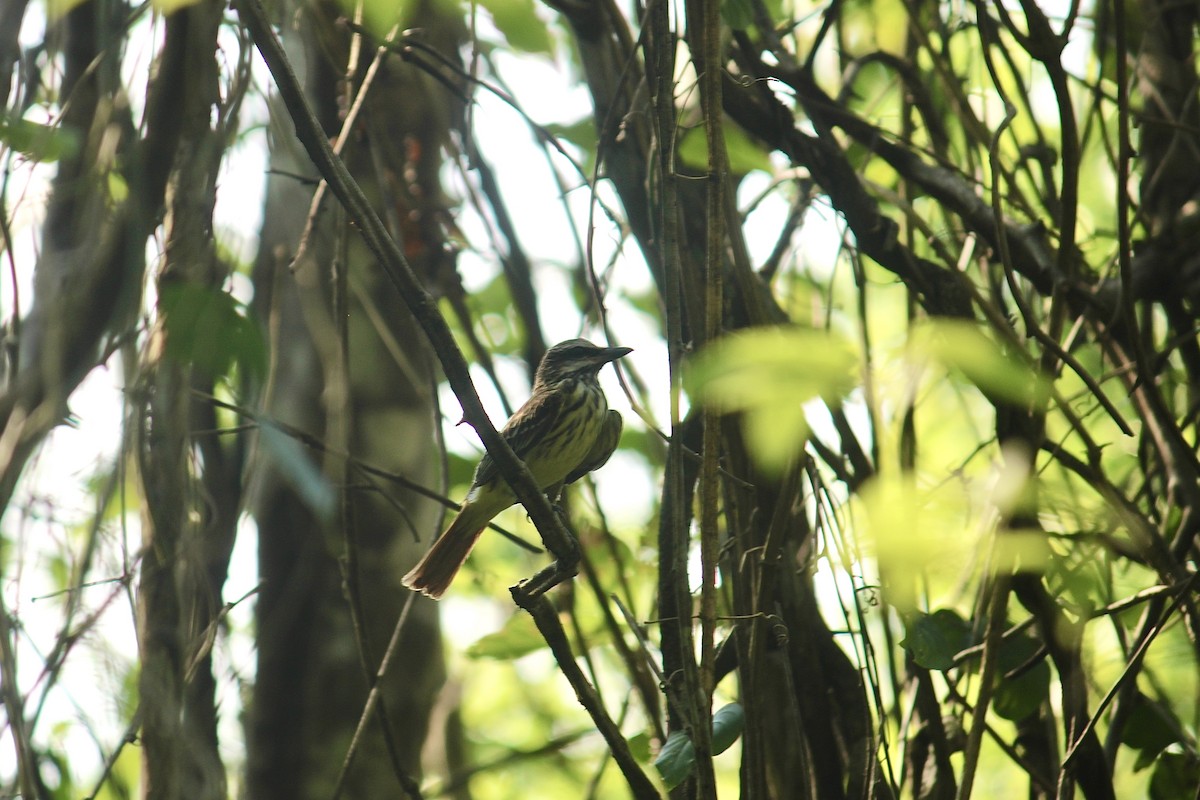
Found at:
<point>562,432</point>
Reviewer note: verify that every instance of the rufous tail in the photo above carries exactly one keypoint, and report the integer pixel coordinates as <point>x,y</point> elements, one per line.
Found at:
<point>434,572</point>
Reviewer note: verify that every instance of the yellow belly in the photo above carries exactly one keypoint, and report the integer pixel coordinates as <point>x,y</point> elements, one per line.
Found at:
<point>568,443</point>
<point>558,452</point>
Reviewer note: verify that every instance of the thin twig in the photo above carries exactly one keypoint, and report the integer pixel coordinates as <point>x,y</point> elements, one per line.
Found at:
<point>375,697</point>
<point>308,440</point>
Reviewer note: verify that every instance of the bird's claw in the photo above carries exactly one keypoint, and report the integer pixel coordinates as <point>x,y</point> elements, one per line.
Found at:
<point>564,567</point>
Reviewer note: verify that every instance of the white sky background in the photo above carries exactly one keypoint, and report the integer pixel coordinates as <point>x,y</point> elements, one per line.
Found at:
<point>54,498</point>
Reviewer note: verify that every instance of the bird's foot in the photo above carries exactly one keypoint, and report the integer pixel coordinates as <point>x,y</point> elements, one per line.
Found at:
<point>564,567</point>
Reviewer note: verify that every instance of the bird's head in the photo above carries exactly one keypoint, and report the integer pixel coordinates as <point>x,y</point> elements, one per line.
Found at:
<point>575,359</point>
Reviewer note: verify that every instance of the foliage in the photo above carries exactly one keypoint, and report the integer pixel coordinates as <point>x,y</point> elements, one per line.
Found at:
<point>907,502</point>
<point>677,758</point>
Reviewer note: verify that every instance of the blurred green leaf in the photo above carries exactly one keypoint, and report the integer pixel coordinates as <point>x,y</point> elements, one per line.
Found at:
<point>1149,730</point>
<point>1017,698</point>
<point>769,374</point>
<point>647,445</point>
<point>209,329</point>
<point>1025,550</point>
<point>745,155</point>
<point>890,20</point>
<point>917,531</point>
<point>580,134</point>
<point>738,14</point>
<point>639,746</point>
<point>964,348</point>
<point>124,777</point>
<point>380,15</point>
<point>118,189</point>
<point>610,557</point>
<point>127,495</point>
<point>56,9</point>
<point>461,468</point>
<point>1175,777</point>
<point>170,6</point>
<point>38,142</point>
<point>59,773</point>
<point>518,20</point>
<point>1077,580</point>
<point>60,570</point>
<point>518,637</point>
<point>934,639</point>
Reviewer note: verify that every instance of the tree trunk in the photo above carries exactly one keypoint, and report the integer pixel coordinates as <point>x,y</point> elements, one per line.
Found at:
<point>349,367</point>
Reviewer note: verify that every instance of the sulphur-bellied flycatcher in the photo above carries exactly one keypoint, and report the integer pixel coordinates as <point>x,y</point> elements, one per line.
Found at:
<point>564,431</point>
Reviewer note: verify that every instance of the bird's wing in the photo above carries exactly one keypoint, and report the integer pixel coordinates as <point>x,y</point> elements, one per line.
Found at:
<point>529,425</point>
<point>605,446</point>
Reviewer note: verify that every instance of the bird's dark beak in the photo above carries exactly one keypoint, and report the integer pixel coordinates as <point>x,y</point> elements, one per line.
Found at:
<point>608,354</point>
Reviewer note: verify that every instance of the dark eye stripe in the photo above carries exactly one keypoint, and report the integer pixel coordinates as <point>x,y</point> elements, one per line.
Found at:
<point>576,352</point>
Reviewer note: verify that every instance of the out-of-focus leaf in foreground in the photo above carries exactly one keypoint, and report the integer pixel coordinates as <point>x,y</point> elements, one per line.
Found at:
<point>769,374</point>
<point>963,348</point>
<point>518,637</point>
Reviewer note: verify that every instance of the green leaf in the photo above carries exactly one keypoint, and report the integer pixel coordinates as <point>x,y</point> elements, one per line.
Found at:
<point>916,531</point>
<point>934,639</point>
<point>519,637</point>
<point>769,374</point>
<point>1149,730</point>
<point>118,189</point>
<point>57,9</point>
<point>1024,550</point>
<point>518,20</point>
<point>124,777</point>
<point>890,20</point>
<point>378,16</point>
<point>168,6</point>
<point>38,142</point>
<point>738,14</point>
<point>639,746</point>
<point>1017,698</point>
<point>964,348</point>
<point>728,723</point>
<point>745,155</point>
<point>60,766</point>
<point>677,757</point>
<point>1175,777</point>
<point>209,329</point>
<point>582,134</point>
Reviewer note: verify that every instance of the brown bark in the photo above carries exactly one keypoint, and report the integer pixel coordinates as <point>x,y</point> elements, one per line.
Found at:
<point>190,504</point>
<point>350,367</point>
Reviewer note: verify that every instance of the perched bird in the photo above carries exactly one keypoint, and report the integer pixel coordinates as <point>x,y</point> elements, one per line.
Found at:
<point>564,431</point>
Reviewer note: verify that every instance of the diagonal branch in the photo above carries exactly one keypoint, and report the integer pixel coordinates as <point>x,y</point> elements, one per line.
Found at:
<point>544,616</point>
<point>420,302</point>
